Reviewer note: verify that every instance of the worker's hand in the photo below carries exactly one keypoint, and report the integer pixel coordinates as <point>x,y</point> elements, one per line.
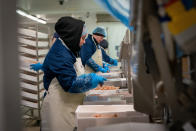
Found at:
<point>36,67</point>
<point>86,82</point>
<point>96,79</point>
<point>102,69</point>
<point>115,62</point>
<point>109,65</point>
<point>106,67</point>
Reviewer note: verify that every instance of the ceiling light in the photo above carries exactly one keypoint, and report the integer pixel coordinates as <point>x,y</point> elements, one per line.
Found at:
<point>20,12</point>
<point>38,16</point>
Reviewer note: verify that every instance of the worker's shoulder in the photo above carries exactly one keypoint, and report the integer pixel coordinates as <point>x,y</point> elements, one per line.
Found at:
<point>59,48</point>
<point>89,39</point>
<point>59,51</point>
<point>88,43</point>
<point>57,45</point>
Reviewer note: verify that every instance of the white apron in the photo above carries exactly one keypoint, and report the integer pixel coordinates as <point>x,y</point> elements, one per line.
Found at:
<point>97,57</point>
<point>58,108</point>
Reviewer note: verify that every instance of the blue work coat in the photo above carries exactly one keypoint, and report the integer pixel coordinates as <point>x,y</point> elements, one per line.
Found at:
<point>59,63</point>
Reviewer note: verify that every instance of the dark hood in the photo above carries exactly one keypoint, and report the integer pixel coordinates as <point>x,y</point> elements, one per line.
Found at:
<point>104,44</point>
<point>70,31</point>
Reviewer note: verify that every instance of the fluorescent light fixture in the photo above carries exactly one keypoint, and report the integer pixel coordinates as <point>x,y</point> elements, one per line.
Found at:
<point>20,12</point>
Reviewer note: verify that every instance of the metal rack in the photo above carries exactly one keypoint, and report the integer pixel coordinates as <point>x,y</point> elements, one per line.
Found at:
<point>125,57</point>
<point>34,45</point>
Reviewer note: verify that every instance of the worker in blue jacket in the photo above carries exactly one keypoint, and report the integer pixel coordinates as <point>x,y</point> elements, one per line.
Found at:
<point>64,77</point>
<point>93,55</point>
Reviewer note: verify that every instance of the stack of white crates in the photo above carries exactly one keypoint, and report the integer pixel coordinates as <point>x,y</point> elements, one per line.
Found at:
<point>33,47</point>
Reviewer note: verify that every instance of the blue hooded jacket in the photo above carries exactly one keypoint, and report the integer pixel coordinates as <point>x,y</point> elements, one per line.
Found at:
<point>60,60</point>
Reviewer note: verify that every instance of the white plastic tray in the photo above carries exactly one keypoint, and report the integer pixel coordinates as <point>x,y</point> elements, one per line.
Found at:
<point>32,96</point>
<point>32,33</point>
<point>32,42</point>
<point>30,86</point>
<point>33,52</point>
<point>31,78</point>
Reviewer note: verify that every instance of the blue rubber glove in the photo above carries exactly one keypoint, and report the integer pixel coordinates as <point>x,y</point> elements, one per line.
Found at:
<point>36,67</point>
<point>91,63</point>
<point>102,69</point>
<point>114,62</point>
<point>86,82</point>
<point>109,65</point>
<point>106,67</point>
<point>96,79</point>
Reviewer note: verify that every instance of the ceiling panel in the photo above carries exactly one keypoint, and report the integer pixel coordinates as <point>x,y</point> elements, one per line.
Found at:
<point>53,6</point>
<point>51,10</point>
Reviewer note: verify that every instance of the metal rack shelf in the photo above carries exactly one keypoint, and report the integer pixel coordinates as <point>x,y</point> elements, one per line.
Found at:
<point>34,45</point>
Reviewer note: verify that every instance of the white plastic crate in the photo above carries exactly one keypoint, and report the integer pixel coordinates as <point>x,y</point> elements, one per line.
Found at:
<point>97,115</point>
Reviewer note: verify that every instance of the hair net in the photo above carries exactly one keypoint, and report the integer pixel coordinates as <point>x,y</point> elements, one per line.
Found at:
<point>100,31</point>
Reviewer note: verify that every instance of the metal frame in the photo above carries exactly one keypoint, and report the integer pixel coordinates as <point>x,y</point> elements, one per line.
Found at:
<point>163,64</point>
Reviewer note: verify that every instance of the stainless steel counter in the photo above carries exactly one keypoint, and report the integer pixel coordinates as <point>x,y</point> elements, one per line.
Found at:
<point>104,100</point>
<point>110,75</point>
<point>119,82</point>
